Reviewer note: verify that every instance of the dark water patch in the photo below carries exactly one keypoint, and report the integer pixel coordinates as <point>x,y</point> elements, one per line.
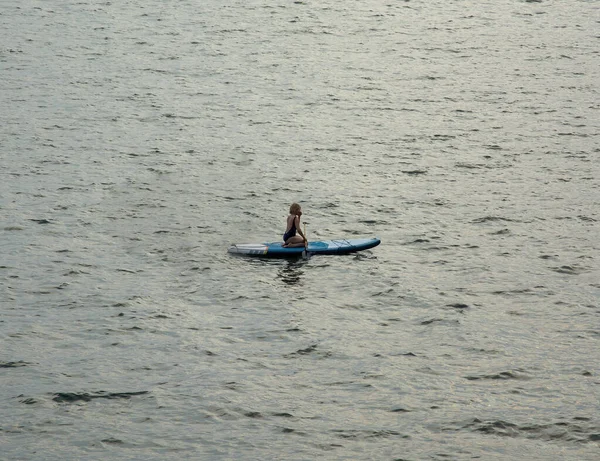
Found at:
<point>469,166</point>
<point>28,400</point>
<point>182,117</point>
<point>289,430</point>
<point>484,351</point>
<point>503,375</point>
<point>75,272</point>
<point>233,386</point>
<point>367,435</point>
<point>328,149</point>
<point>442,137</point>
<point>436,320</point>
<point>580,135</point>
<point>372,221</point>
<point>14,228</point>
<point>431,321</point>
<point>72,397</point>
<point>587,218</point>
<point>400,410</point>
<point>17,364</point>
<point>160,316</point>
<point>501,232</point>
<point>458,306</point>
<point>113,441</point>
<point>414,172</point>
<point>41,221</point>
<point>128,271</point>
<point>382,293</point>
<point>419,240</point>
<point>569,270</point>
<point>200,269</point>
<point>524,291</point>
<point>308,350</point>
<point>487,219</point>
<point>577,431</point>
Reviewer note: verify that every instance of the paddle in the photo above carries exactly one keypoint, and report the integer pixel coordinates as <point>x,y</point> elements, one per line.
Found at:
<point>305,252</point>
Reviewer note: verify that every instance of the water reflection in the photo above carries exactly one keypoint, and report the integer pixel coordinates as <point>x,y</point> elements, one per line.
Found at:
<point>291,273</point>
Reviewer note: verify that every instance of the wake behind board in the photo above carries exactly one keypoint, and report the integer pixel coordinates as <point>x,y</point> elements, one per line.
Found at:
<point>324,247</point>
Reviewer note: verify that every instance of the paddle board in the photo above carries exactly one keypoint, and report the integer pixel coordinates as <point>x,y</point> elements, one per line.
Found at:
<point>322,247</point>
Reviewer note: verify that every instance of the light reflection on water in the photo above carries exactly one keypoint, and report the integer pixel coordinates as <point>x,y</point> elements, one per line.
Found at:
<point>137,142</point>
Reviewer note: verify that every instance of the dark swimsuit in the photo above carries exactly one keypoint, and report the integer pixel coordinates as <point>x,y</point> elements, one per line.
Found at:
<point>291,232</point>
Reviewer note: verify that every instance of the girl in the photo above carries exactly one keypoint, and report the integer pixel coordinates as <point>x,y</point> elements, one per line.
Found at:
<point>293,225</point>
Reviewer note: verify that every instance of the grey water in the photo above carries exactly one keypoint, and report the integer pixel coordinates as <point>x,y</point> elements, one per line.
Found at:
<point>140,138</point>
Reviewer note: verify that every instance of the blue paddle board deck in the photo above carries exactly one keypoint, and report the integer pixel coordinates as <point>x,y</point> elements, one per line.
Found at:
<point>324,247</point>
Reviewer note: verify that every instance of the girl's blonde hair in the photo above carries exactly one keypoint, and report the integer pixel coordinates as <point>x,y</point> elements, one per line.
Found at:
<point>294,208</point>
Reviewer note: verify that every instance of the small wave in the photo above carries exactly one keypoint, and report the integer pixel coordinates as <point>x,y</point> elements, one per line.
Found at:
<point>282,415</point>
<point>18,364</point>
<point>306,351</point>
<point>458,305</point>
<point>400,410</point>
<point>580,429</point>
<point>524,291</point>
<point>113,441</point>
<point>419,240</point>
<point>371,221</point>
<point>503,375</point>
<point>436,320</point>
<point>72,397</point>
<point>570,270</point>
<point>414,172</point>
<point>487,219</point>
<point>469,166</point>
<point>429,322</point>
<point>366,435</point>
<point>587,218</point>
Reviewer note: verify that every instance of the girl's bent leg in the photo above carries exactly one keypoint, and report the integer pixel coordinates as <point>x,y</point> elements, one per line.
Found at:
<point>295,241</point>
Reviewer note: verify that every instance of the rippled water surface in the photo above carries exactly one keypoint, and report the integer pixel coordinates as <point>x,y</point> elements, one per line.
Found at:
<point>139,139</point>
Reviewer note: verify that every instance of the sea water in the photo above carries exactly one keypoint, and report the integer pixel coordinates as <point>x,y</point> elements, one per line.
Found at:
<point>140,138</point>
